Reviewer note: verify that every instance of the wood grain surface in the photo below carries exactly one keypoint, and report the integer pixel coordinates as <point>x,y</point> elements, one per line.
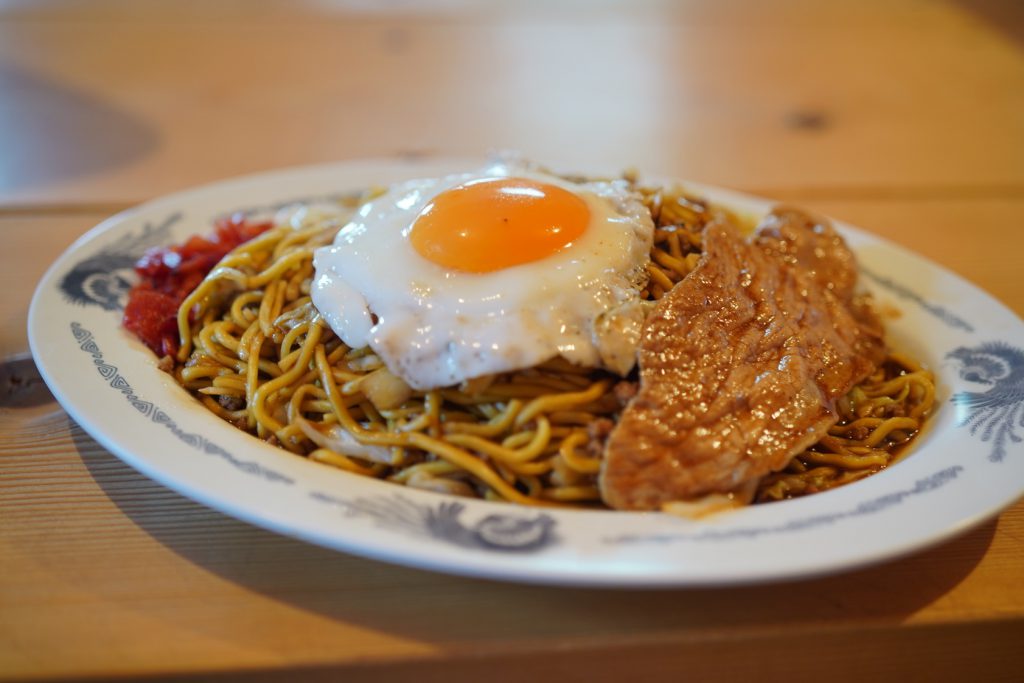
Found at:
<point>905,118</point>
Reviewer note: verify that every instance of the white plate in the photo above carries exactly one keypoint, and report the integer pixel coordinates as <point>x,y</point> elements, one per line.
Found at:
<point>968,465</point>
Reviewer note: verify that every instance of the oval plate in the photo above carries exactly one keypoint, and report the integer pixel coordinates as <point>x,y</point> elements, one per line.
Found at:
<point>966,466</point>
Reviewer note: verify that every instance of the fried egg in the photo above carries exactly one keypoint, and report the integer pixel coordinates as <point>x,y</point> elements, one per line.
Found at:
<point>452,278</point>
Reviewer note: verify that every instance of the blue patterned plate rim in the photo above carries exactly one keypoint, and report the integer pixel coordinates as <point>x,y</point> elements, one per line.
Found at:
<point>965,468</point>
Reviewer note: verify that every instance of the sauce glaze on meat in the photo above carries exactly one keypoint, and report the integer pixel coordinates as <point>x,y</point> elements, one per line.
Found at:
<point>741,364</point>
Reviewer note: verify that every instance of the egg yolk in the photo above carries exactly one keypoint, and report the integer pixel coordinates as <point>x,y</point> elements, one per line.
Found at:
<point>494,223</point>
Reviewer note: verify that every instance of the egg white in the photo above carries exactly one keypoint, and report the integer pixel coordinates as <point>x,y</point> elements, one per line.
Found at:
<point>437,327</point>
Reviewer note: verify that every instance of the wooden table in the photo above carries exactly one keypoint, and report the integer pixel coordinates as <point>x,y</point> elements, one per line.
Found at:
<point>904,117</point>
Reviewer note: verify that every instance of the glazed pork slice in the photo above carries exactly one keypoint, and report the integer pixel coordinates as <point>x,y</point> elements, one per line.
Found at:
<point>741,364</point>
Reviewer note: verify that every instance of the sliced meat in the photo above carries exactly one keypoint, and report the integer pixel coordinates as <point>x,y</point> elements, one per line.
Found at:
<point>741,363</point>
<point>805,241</point>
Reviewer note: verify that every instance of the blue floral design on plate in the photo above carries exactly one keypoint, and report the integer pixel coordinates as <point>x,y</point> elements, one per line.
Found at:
<point>997,412</point>
<point>104,278</point>
<point>508,532</point>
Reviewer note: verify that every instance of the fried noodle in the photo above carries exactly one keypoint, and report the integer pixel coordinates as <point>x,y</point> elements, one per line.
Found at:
<point>255,351</point>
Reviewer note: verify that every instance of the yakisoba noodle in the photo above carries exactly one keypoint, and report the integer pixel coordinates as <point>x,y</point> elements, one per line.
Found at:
<point>259,355</point>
